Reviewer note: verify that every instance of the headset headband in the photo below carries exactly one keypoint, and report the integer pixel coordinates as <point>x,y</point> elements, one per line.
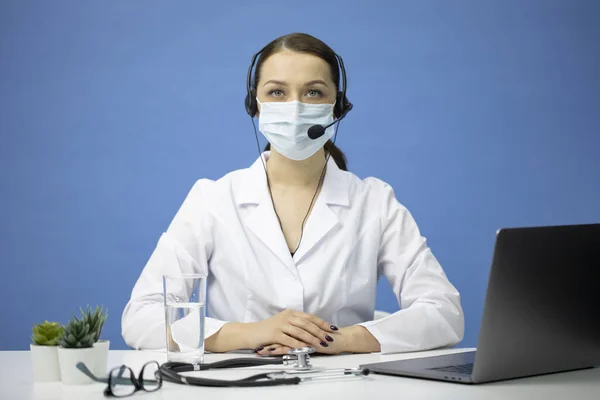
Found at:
<point>341,104</point>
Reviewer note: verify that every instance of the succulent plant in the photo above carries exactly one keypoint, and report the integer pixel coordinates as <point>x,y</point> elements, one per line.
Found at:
<point>77,335</point>
<point>47,333</point>
<point>95,319</point>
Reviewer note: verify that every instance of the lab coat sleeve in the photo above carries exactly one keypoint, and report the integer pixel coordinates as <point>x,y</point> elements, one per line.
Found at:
<point>184,248</point>
<point>431,314</point>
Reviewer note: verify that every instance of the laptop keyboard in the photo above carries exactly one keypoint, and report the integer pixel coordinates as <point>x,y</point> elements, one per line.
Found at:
<point>465,369</point>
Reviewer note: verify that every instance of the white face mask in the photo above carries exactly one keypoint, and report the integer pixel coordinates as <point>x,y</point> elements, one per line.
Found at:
<point>285,125</point>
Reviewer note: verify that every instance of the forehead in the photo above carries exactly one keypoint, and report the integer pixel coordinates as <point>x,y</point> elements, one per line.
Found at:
<point>293,66</point>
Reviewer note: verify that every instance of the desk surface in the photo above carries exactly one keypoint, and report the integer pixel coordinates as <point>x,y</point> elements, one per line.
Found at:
<point>17,382</point>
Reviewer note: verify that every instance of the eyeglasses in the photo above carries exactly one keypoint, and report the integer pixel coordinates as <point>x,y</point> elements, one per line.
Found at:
<point>121,381</point>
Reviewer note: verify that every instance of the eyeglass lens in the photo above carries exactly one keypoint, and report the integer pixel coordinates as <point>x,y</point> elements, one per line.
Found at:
<point>149,377</point>
<point>121,383</point>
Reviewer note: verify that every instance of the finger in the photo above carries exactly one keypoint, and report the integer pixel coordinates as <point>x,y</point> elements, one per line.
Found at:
<point>316,320</point>
<point>283,350</point>
<point>308,326</point>
<point>303,336</point>
<point>290,341</point>
<point>268,350</point>
<point>275,350</point>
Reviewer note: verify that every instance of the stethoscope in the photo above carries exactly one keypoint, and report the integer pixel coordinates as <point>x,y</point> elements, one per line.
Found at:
<point>299,359</point>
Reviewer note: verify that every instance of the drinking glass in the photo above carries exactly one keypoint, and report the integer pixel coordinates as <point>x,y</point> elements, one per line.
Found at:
<point>185,311</point>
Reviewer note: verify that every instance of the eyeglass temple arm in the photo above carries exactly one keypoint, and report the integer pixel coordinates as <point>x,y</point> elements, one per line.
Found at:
<point>119,380</point>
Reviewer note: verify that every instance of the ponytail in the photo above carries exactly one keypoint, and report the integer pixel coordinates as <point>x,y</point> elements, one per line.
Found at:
<point>338,155</point>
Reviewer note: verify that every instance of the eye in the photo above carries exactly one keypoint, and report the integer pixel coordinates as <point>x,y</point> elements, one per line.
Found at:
<point>314,93</point>
<point>275,93</point>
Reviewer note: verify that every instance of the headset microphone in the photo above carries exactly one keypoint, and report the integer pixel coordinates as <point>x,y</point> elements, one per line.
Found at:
<point>316,131</point>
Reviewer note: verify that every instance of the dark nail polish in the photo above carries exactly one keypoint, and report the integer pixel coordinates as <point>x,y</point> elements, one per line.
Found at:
<point>258,349</point>
<point>324,344</point>
<point>271,349</point>
<point>328,338</point>
<point>333,327</point>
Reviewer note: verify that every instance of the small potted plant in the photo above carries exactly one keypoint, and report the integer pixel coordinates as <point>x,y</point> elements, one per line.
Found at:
<point>44,351</point>
<point>96,319</point>
<point>76,345</point>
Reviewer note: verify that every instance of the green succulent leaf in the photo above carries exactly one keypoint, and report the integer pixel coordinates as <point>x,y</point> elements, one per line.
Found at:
<point>47,333</point>
<point>95,318</point>
<point>80,332</point>
<point>77,334</point>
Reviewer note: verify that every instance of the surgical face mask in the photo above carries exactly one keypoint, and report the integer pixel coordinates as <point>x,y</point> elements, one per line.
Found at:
<point>286,124</point>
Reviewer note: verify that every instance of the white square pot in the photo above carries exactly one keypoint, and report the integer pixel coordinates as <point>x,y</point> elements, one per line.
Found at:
<point>44,360</point>
<point>68,359</point>
<point>101,348</point>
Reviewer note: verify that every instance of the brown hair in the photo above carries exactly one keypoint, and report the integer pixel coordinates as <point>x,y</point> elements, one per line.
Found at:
<point>304,43</point>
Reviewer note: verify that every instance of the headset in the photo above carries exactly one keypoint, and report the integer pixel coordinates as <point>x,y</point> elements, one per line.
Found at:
<point>341,108</point>
<point>342,105</point>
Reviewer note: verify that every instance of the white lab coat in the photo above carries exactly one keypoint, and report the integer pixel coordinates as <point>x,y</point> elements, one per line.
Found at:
<point>357,231</point>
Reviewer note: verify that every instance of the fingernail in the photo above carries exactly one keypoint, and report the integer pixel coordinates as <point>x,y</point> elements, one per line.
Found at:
<point>324,344</point>
<point>271,349</point>
<point>328,338</point>
<point>258,349</point>
<point>333,327</point>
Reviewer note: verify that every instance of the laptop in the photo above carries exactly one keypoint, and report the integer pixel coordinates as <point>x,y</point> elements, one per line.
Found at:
<point>541,313</point>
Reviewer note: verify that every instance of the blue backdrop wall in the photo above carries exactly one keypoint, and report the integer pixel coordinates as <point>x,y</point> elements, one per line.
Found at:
<point>481,114</point>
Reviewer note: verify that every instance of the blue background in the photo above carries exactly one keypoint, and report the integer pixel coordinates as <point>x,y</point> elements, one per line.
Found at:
<point>481,114</point>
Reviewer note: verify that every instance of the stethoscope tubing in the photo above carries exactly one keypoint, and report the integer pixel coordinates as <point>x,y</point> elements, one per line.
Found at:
<point>171,371</point>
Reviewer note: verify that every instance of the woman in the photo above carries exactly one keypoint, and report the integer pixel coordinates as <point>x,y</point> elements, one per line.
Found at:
<point>294,245</point>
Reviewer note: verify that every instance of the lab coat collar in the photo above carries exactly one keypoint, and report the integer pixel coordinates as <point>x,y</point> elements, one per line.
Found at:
<point>263,222</point>
<point>253,189</point>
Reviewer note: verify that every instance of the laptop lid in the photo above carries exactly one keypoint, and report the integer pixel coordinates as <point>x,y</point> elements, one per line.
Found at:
<point>541,312</point>
<point>542,307</point>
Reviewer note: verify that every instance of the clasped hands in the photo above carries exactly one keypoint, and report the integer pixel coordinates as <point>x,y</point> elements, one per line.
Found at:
<point>290,329</point>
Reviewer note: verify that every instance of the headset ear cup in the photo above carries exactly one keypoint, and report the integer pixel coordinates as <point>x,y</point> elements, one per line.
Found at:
<point>340,104</point>
<point>347,105</point>
<point>247,104</point>
<point>251,107</point>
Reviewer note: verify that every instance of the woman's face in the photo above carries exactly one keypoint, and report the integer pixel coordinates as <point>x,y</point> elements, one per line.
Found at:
<point>288,76</point>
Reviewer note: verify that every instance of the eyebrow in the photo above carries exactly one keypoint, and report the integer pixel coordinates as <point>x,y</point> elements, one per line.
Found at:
<point>282,83</point>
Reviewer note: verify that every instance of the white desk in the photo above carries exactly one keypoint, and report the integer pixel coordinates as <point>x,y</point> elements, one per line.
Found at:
<point>17,383</point>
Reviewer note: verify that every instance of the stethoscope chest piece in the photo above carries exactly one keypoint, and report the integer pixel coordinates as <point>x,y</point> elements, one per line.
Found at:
<point>299,358</point>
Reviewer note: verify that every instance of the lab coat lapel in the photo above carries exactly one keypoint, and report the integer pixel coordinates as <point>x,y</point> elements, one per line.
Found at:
<point>263,223</point>
<point>322,218</point>
<point>262,220</point>
<point>319,223</point>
